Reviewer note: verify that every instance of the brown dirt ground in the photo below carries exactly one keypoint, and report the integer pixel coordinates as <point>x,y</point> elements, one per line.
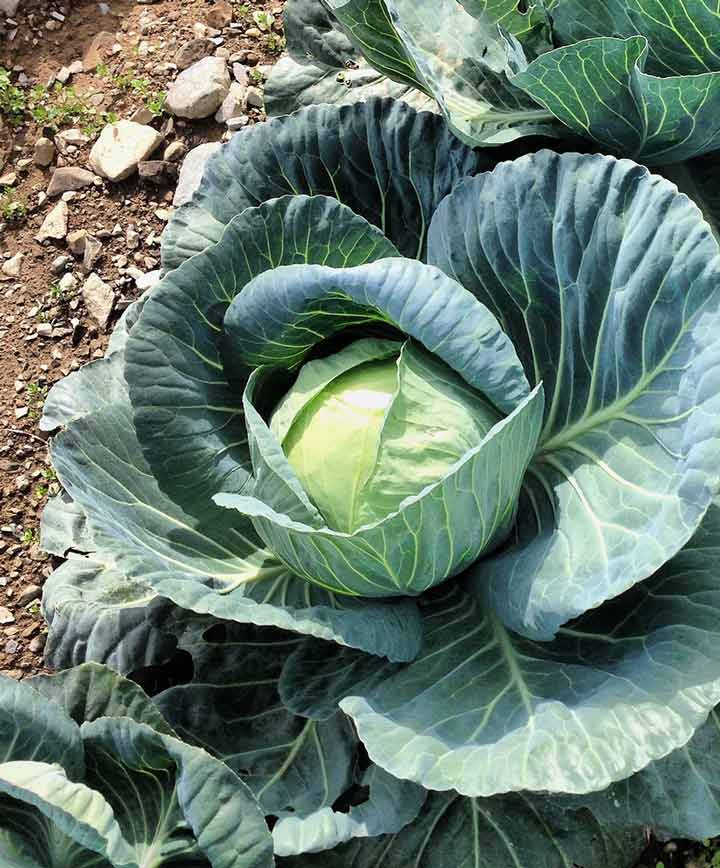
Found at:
<point>29,363</point>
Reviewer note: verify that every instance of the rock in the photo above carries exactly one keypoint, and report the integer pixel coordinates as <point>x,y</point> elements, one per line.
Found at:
<point>58,265</point>
<point>191,171</point>
<point>220,15</point>
<point>174,152</point>
<point>68,139</point>
<point>92,252</point>
<point>76,241</point>
<point>99,49</point>
<point>55,224</point>
<point>68,283</point>
<point>199,90</point>
<point>11,267</point>
<point>8,180</point>
<point>240,73</point>
<point>28,594</point>
<point>254,98</point>
<point>37,644</point>
<point>192,51</point>
<point>9,8</point>
<point>157,171</point>
<point>233,104</point>
<point>145,281</point>
<point>44,330</point>
<point>234,124</point>
<point>99,300</point>
<point>142,115</point>
<point>69,178</point>
<point>44,152</point>
<point>121,146</point>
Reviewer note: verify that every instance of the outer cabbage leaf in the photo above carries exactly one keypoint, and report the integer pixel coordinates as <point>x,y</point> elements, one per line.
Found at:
<point>80,814</point>
<point>607,282</point>
<point>684,35</point>
<point>512,831</point>
<point>292,85</point>
<point>95,613</point>
<point>391,804</point>
<point>600,90</point>
<point>325,67</point>
<point>232,709</point>
<point>165,795</point>
<point>381,158</point>
<point>484,711</point>
<point>677,797</point>
<point>464,62</point>
<point>132,793</point>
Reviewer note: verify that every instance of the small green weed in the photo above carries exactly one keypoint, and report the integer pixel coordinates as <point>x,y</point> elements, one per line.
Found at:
<point>275,43</point>
<point>12,99</point>
<point>29,536</point>
<point>35,398</point>
<point>12,210</point>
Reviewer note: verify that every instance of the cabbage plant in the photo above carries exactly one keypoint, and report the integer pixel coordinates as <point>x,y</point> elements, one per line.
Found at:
<point>411,457</point>
<point>91,774</point>
<point>635,79</point>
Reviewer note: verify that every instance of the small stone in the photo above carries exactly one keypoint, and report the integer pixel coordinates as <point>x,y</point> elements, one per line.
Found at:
<point>192,51</point>
<point>12,647</point>
<point>8,180</point>
<point>76,241</point>
<point>68,283</point>
<point>37,644</point>
<point>253,33</point>
<point>68,141</point>
<point>99,300</point>
<point>145,281</point>
<point>237,123</point>
<point>174,152</point>
<point>121,146</point>
<point>157,171</point>
<point>21,412</point>
<point>28,594</point>
<point>45,329</point>
<point>44,152</point>
<point>220,15</point>
<point>92,252</point>
<point>240,73</point>
<point>200,89</point>
<point>233,104</point>
<point>55,224</point>
<point>99,49</point>
<point>192,170</point>
<point>69,178</point>
<point>22,483</point>
<point>59,264</point>
<point>254,98</point>
<point>142,115</point>
<point>11,267</point>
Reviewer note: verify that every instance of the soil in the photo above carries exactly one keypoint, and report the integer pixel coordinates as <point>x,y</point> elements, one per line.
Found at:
<point>45,333</point>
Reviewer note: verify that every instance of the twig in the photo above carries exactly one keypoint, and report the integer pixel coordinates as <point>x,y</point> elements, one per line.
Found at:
<point>28,434</point>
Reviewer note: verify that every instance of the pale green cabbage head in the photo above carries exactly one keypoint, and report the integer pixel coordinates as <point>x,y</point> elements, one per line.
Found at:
<point>376,423</point>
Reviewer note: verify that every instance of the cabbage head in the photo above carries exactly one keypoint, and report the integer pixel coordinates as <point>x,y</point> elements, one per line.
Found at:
<point>408,464</point>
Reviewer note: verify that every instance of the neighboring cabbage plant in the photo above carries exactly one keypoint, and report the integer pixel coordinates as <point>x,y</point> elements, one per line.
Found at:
<point>635,79</point>
<point>91,774</point>
<point>412,459</point>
